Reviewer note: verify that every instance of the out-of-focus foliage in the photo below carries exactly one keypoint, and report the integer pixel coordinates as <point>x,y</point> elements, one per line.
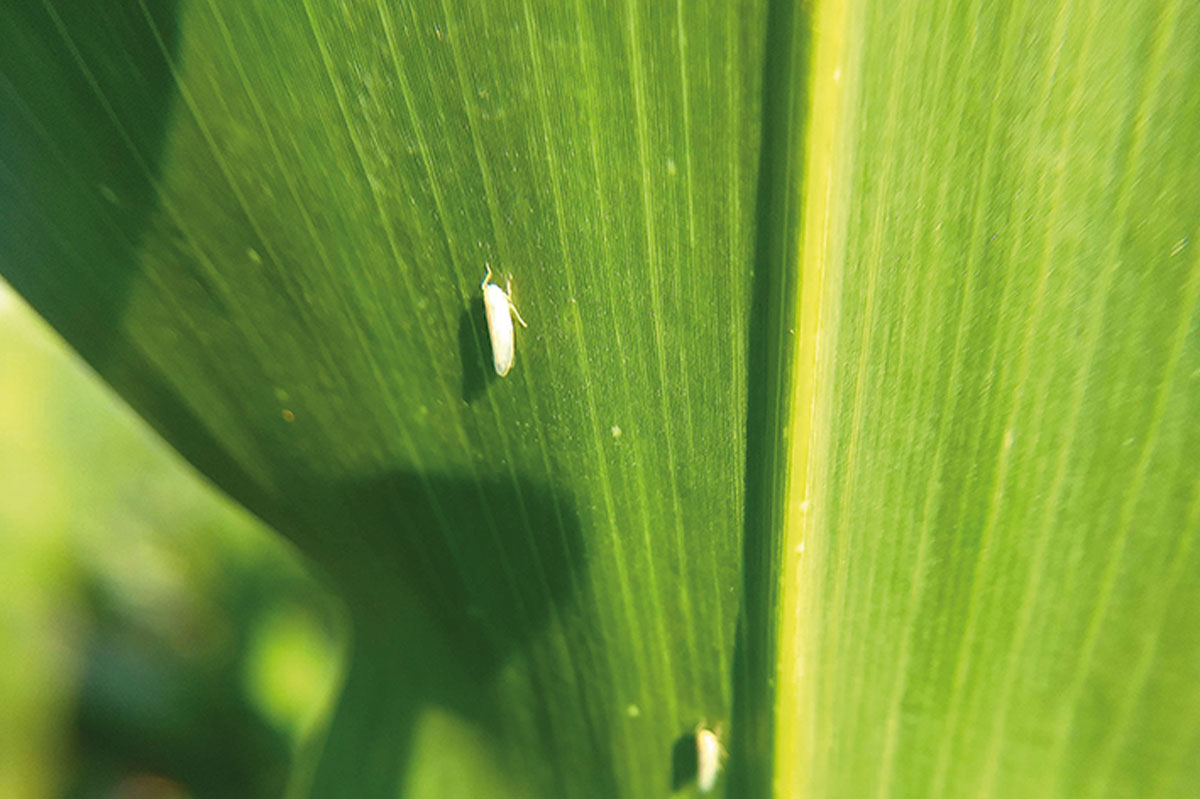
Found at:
<point>156,641</point>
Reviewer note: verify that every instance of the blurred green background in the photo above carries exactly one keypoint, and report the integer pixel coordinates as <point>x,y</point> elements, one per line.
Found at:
<point>156,640</point>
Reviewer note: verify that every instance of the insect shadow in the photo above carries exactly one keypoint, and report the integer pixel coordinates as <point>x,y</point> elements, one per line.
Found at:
<point>475,350</point>
<point>684,763</point>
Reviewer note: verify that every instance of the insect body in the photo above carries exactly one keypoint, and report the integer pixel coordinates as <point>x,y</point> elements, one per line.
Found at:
<point>709,754</point>
<point>500,311</point>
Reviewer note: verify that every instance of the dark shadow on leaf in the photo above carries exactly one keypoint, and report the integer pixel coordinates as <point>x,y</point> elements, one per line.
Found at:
<point>684,764</point>
<point>474,350</point>
<point>447,579</point>
<point>86,95</point>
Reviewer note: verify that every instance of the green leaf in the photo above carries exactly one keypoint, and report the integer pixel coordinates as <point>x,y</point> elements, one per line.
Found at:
<point>995,491</point>
<point>862,366</point>
<point>267,228</point>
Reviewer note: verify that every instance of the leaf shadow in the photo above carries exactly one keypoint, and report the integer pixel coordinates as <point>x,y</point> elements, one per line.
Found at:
<point>447,580</point>
<point>87,104</point>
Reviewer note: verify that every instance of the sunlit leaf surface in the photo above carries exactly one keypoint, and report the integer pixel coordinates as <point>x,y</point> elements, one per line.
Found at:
<point>994,584</point>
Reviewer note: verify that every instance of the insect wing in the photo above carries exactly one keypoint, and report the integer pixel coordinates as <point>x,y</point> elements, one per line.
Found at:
<point>708,760</point>
<point>500,327</point>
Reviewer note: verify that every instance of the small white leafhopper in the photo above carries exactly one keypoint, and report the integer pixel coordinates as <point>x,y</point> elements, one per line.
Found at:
<point>500,311</point>
<point>709,755</point>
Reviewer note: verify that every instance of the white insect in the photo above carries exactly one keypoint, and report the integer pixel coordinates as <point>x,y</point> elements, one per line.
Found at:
<point>500,311</point>
<point>709,754</point>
